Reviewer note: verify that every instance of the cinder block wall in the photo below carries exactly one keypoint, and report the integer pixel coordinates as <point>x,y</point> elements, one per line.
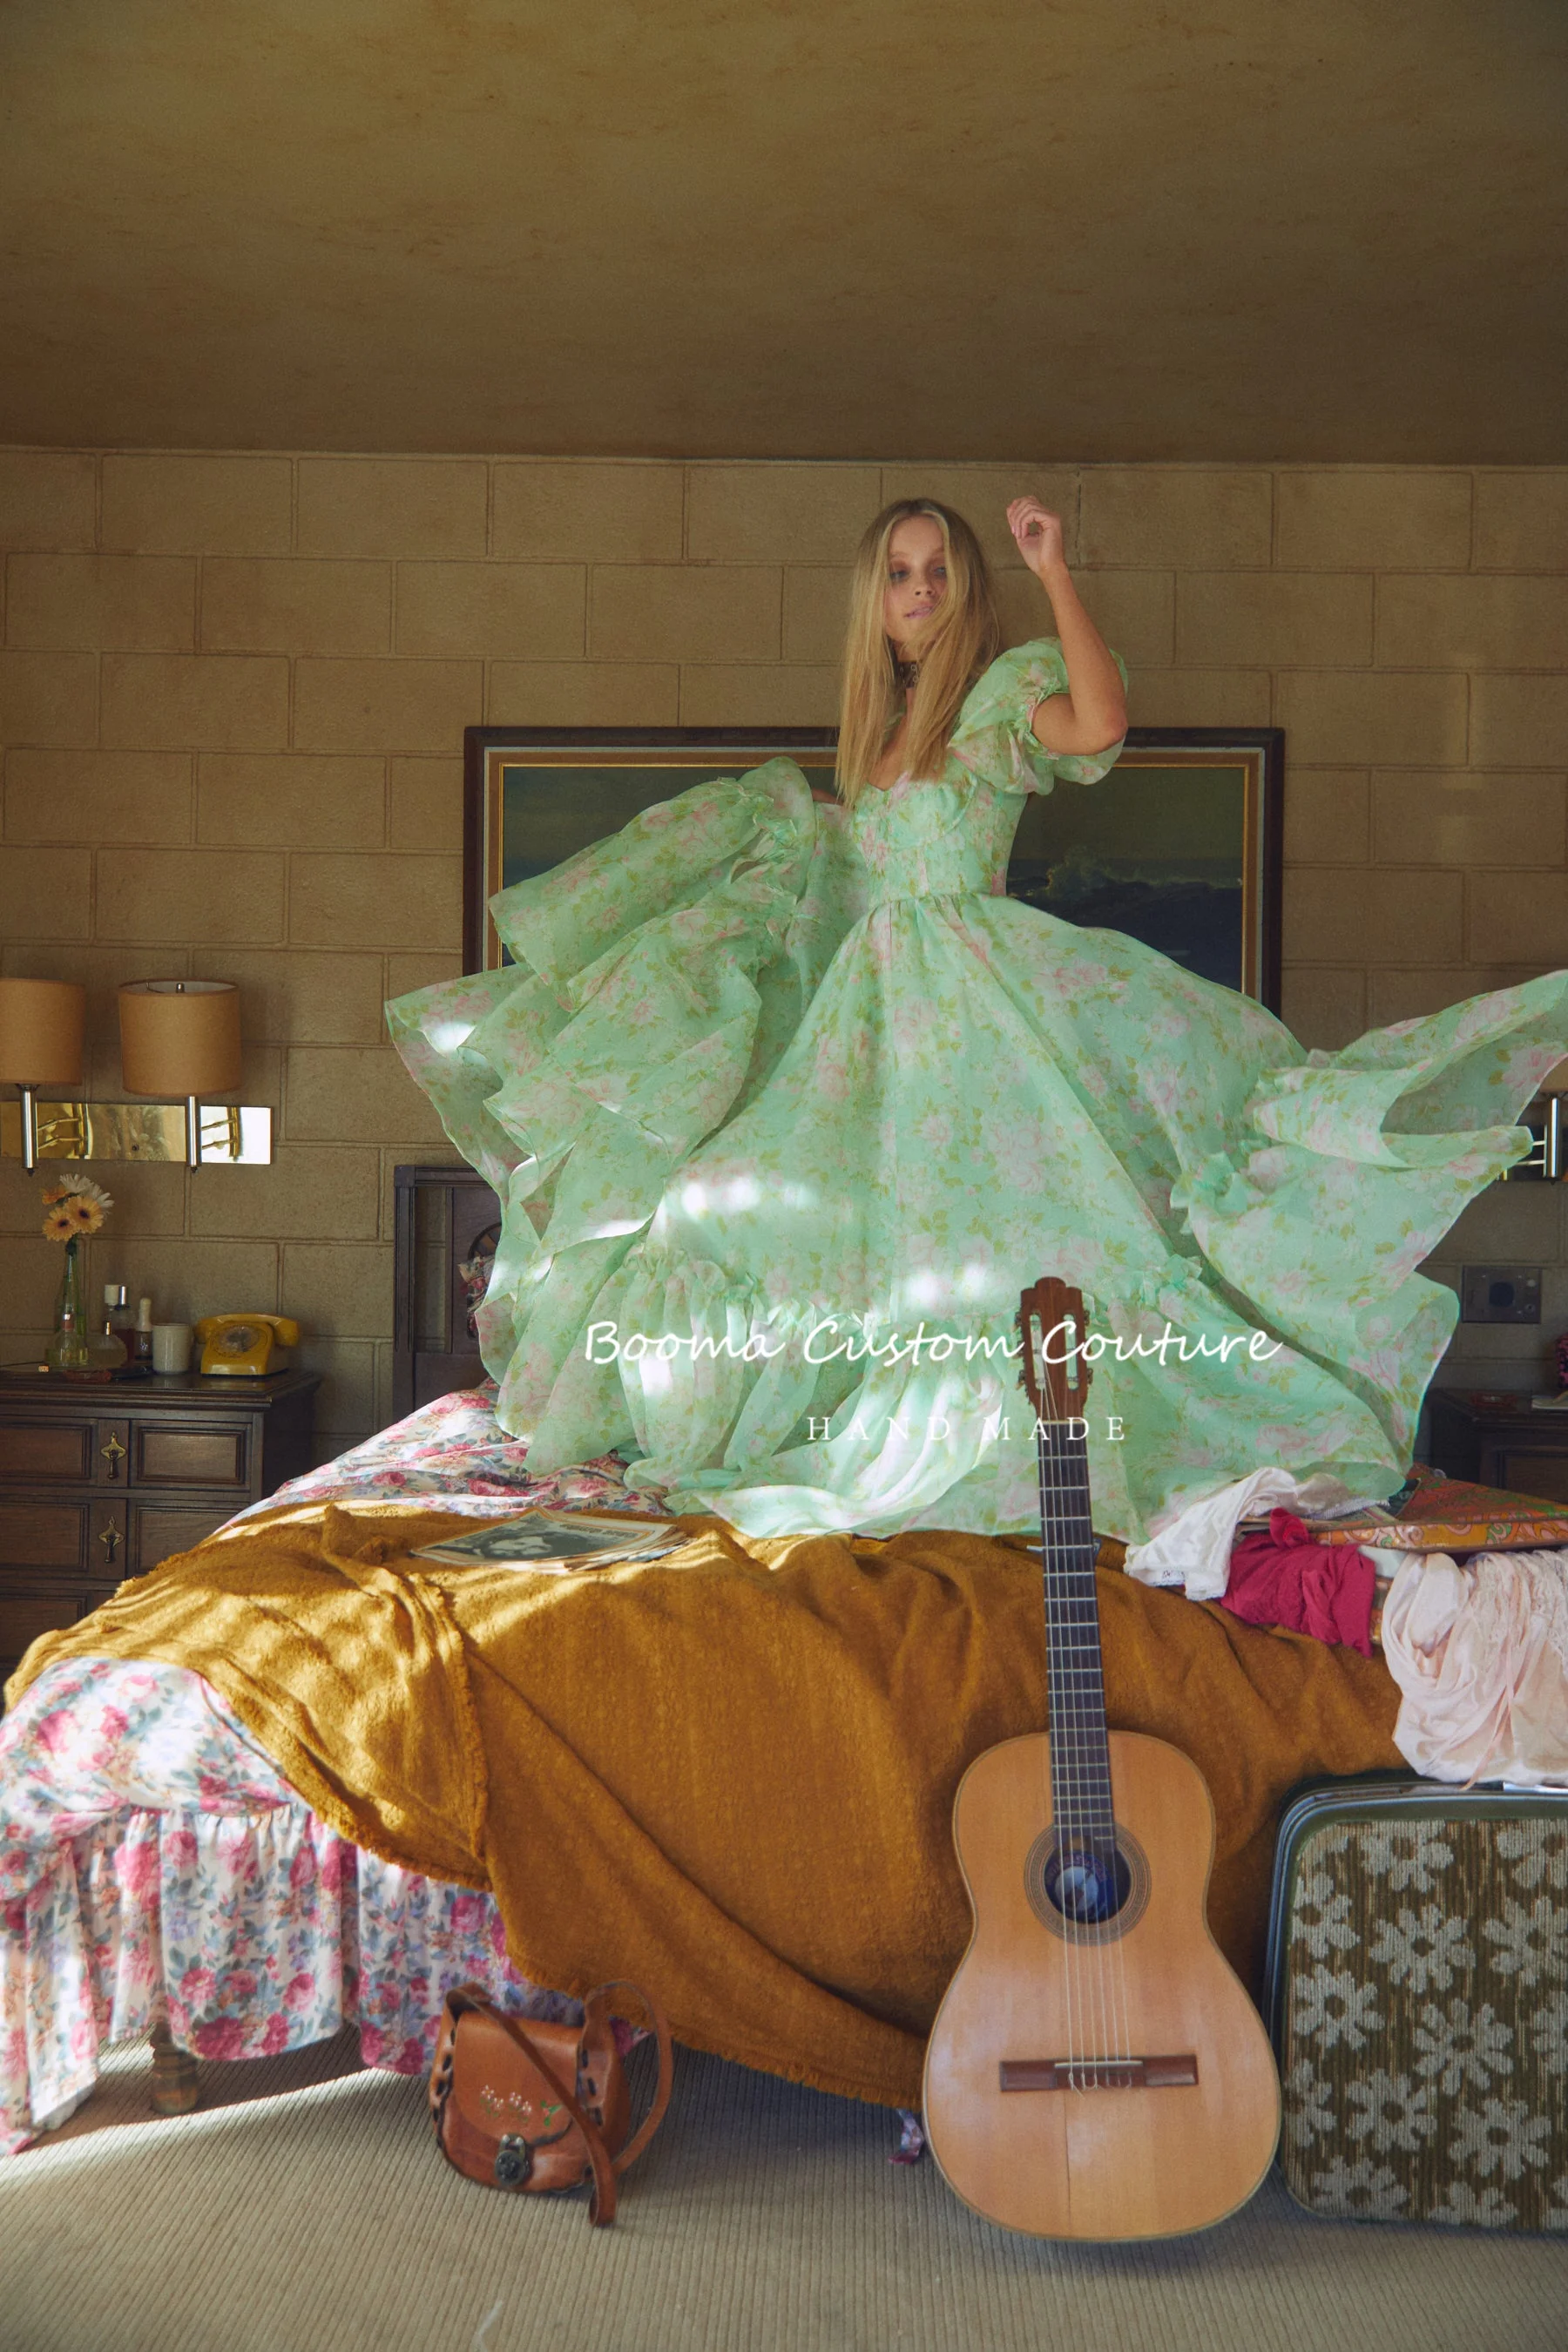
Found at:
<point>232,696</point>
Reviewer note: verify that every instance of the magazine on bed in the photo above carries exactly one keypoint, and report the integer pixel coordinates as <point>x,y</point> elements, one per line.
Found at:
<point>557,1539</point>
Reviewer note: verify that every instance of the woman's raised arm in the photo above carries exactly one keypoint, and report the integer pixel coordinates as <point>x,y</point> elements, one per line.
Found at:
<point>1092,715</point>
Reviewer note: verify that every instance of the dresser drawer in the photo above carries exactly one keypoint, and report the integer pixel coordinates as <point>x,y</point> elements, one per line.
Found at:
<point>78,1450</point>
<point>155,1531</point>
<point>176,1454</point>
<point>45,1536</point>
<point>28,1611</point>
<point>1535,1473</point>
<point>70,1535</point>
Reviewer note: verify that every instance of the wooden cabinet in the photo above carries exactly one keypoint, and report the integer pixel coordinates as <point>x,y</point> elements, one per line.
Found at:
<point>1503,1444</point>
<point>447,1227</point>
<point>98,1484</point>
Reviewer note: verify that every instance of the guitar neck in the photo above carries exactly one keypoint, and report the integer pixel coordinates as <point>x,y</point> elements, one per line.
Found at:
<point>1080,1751</point>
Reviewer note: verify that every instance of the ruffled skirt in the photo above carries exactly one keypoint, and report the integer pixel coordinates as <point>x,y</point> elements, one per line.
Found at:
<point>776,1164</point>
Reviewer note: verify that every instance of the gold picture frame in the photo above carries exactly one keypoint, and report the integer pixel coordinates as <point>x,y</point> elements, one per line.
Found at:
<point>1180,845</point>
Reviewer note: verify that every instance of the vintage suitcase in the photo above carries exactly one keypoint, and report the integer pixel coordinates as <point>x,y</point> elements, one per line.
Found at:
<point>1418,1979</point>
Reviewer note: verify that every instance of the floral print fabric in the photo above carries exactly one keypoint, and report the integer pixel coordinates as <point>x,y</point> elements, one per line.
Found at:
<point>455,1448</point>
<point>155,1866</point>
<point>786,1105</point>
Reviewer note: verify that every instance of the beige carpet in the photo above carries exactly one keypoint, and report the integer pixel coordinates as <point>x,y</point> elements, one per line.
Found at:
<point>309,2213</point>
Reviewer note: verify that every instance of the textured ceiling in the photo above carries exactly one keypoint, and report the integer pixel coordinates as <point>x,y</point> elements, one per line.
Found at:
<point>828,228</point>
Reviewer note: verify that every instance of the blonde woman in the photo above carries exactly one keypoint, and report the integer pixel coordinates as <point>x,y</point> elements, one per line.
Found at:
<point>787,1103</point>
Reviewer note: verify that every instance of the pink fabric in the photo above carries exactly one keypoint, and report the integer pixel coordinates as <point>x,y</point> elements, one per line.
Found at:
<point>1286,1578</point>
<point>155,1864</point>
<point>1481,1656</point>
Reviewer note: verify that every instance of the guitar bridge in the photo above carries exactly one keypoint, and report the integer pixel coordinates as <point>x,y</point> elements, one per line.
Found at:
<point>1167,2074</point>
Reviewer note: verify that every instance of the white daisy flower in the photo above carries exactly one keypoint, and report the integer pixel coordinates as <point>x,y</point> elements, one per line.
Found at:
<point>1541,1852</point>
<point>1503,2136</point>
<point>1409,1856</point>
<point>1534,1944</point>
<point>1319,1919</point>
<point>1393,2112</point>
<point>1456,2048</point>
<point>1333,2008</point>
<point>1363,2188</point>
<point>1485,2208</point>
<point>1425,1951</point>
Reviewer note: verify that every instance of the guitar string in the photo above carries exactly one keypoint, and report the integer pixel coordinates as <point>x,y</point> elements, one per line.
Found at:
<point>1053,1765</point>
<point>1089,1828</point>
<point>1064,1795</point>
<point>1065,1504</point>
<point>1077,1836</point>
<point>1064,1752</point>
<point>1085,1665</point>
<point>1115,1960</point>
<point>1075,1796</point>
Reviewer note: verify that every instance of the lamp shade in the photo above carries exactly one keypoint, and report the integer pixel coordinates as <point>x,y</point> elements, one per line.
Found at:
<point>40,1032</point>
<point>179,1036</point>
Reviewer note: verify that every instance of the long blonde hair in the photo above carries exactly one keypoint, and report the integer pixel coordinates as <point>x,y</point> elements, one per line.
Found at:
<point>964,636</point>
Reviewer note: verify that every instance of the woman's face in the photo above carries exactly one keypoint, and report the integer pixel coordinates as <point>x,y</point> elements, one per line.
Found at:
<point>917,578</point>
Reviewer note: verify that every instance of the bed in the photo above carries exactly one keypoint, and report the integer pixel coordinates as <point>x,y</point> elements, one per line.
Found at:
<point>731,1776</point>
<point>158,1874</point>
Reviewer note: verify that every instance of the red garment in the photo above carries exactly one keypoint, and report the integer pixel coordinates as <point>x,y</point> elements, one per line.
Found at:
<point>1286,1578</point>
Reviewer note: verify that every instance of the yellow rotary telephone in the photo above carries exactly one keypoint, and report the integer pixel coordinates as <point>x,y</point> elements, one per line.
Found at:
<point>246,1345</point>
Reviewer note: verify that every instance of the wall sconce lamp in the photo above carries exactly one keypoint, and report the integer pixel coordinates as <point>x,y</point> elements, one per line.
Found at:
<point>178,1038</point>
<point>1547,1159</point>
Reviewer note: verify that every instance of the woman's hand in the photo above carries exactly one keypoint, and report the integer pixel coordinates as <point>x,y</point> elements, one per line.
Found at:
<point>1092,714</point>
<point>1039,536</point>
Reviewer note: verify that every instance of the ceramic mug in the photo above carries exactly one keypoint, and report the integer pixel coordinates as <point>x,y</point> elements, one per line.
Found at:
<point>171,1346</point>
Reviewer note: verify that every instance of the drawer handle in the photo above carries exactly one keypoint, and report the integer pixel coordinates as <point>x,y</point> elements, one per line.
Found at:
<point>109,1539</point>
<point>114,1455</point>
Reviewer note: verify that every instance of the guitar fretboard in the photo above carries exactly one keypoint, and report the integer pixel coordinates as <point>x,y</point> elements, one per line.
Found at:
<point>1080,1752</point>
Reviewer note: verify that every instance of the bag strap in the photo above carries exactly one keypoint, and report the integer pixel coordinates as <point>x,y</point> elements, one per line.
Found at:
<point>595,2015</point>
<point>602,2200</point>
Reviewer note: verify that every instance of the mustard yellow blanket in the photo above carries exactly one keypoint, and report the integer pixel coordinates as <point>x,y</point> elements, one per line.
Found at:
<point>730,1774</point>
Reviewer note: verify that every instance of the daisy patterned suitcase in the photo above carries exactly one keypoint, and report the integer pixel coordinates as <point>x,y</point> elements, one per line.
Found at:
<point>1417,1977</point>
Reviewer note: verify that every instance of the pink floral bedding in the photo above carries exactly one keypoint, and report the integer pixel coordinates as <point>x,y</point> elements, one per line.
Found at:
<point>154,1866</point>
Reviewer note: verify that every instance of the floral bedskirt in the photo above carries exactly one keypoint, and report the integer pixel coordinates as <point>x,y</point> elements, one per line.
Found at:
<point>154,1867</point>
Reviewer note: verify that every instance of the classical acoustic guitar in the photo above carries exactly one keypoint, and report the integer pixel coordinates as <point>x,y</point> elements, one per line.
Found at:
<point>1096,2069</point>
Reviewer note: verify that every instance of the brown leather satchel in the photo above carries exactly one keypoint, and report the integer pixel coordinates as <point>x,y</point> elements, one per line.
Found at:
<point>523,2106</point>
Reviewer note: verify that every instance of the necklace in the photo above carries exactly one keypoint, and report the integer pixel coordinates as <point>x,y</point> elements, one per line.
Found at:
<point>906,675</point>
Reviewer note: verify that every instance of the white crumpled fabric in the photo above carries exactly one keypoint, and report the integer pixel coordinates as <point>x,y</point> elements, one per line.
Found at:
<point>1481,1654</point>
<point>1194,1549</point>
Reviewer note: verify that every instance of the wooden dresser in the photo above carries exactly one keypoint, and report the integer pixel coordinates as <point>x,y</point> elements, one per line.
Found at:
<point>1499,1442</point>
<point>102,1482</point>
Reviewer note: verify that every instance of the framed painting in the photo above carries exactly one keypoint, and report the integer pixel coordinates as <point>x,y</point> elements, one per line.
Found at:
<point>1179,845</point>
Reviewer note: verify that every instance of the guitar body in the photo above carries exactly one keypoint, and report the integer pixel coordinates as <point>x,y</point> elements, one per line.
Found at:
<point>1112,2158</point>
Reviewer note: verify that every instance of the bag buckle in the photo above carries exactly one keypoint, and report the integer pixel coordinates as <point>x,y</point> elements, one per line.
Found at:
<point>514,2161</point>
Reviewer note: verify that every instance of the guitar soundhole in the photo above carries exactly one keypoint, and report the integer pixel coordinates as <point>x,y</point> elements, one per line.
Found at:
<point>1083,1893</point>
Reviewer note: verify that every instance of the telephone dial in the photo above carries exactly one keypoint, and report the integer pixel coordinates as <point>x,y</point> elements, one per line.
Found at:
<point>246,1345</point>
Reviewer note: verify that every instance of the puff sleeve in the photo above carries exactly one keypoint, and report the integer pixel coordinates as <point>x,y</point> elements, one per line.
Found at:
<point>993,739</point>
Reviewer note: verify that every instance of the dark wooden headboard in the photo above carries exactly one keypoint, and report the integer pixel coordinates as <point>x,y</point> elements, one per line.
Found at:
<point>443,1214</point>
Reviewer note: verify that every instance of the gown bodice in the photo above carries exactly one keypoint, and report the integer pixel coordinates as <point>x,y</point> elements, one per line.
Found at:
<point>951,836</point>
<point>923,840</point>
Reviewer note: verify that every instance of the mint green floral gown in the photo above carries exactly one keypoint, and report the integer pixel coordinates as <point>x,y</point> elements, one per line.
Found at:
<point>774,1091</point>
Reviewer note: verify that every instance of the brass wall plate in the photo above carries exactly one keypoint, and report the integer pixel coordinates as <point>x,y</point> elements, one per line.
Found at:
<point>232,1134</point>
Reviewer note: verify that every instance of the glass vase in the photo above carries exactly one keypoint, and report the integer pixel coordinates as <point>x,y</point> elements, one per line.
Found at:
<point>67,1351</point>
